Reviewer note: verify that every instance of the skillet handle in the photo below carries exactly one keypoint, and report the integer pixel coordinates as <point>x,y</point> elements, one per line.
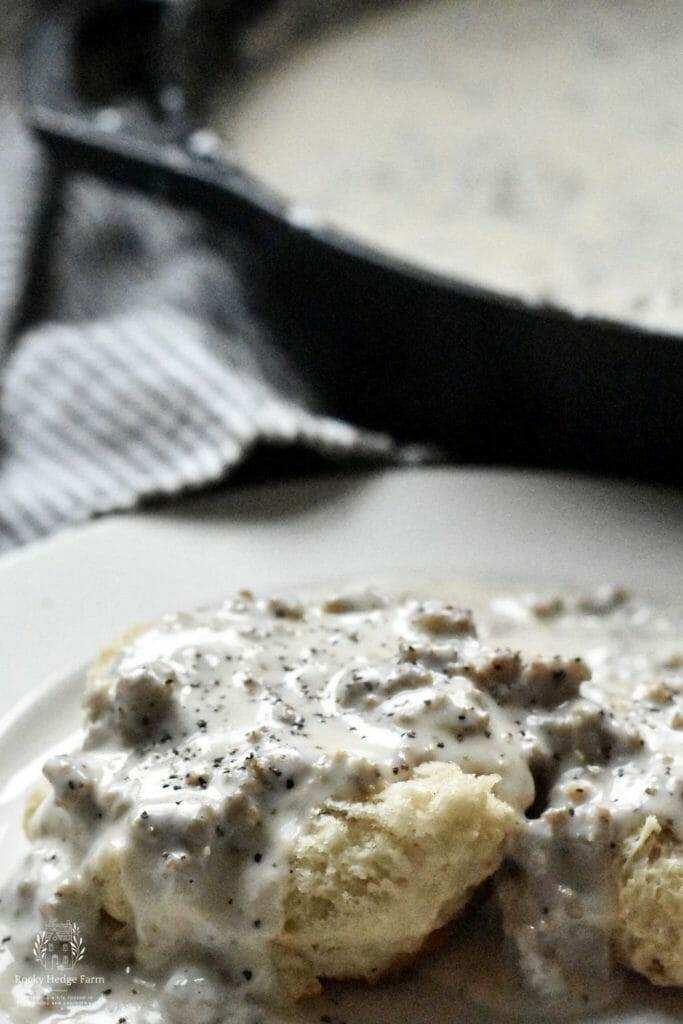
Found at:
<point>106,68</point>
<point>100,95</point>
<point>102,53</point>
<point>104,93</point>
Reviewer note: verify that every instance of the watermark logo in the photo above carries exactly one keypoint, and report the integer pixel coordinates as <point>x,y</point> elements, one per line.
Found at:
<point>59,947</point>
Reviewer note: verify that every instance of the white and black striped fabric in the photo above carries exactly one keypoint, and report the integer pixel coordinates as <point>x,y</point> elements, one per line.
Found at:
<point>145,375</point>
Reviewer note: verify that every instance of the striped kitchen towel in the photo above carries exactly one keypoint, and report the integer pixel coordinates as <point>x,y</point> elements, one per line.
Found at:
<point>145,374</point>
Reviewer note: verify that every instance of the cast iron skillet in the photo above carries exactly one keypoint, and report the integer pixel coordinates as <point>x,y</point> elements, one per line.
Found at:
<point>118,88</point>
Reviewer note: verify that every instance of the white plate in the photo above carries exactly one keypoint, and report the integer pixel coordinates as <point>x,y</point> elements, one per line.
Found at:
<point>62,598</point>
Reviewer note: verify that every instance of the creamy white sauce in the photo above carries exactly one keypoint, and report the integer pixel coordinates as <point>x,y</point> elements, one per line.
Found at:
<point>212,735</point>
<point>533,147</point>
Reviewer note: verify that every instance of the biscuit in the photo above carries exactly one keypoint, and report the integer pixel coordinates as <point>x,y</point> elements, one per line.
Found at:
<point>371,881</point>
<point>649,934</point>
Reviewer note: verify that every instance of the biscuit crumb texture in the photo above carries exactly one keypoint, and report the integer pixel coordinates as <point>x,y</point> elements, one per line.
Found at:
<point>649,935</point>
<point>372,881</point>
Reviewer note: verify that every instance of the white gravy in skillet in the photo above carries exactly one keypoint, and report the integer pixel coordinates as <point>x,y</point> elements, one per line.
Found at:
<point>534,147</point>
